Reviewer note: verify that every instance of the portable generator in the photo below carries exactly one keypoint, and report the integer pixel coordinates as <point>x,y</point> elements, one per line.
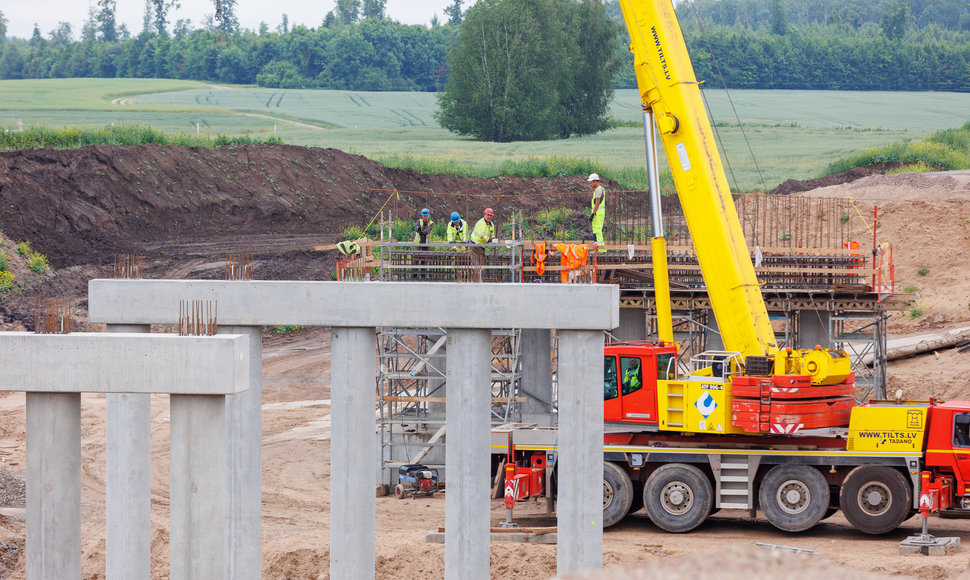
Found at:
<point>416,479</point>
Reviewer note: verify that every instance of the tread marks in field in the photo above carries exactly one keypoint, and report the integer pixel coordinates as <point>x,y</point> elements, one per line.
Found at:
<point>406,118</point>
<point>280,100</point>
<point>269,101</point>
<point>353,99</point>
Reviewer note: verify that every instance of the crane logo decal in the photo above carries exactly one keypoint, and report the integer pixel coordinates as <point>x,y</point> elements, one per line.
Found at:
<point>705,404</point>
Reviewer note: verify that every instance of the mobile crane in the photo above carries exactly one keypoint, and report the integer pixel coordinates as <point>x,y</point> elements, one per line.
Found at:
<point>753,426</point>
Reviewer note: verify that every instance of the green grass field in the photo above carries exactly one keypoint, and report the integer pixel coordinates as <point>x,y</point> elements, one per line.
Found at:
<point>792,134</point>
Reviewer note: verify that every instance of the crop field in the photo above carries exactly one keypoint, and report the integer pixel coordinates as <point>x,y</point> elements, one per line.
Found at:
<point>783,134</point>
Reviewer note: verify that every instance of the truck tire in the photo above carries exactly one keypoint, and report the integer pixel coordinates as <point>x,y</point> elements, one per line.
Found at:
<point>875,499</point>
<point>794,497</point>
<point>678,497</point>
<point>617,494</point>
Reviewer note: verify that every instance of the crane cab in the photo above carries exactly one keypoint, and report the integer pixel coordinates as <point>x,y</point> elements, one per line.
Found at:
<point>630,374</point>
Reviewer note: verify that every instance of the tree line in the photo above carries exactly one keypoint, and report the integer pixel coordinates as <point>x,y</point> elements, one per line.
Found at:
<point>352,49</point>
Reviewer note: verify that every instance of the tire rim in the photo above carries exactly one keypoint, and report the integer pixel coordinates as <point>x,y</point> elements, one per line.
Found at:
<point>676,498</point>
<point>793,496</point>
<point>607,494</point>
<point>875,498</point>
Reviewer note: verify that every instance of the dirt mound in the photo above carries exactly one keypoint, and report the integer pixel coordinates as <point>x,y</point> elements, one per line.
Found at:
<point>84,206</point>
<point>796,186</point>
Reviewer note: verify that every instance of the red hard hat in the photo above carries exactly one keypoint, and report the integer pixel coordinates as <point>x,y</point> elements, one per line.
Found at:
<point>489,212</point>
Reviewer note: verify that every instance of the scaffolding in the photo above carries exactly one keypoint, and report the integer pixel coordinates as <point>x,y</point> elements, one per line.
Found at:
<point>412,387</point>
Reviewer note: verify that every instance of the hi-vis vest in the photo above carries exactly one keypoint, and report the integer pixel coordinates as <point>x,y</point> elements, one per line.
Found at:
<point>348,247</point>
<point>458,233</point>
<point>592,203</point>
<point>484,231</point>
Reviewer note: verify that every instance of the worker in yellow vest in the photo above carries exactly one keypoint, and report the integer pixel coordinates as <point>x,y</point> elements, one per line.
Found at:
<point>457,229</point>
<point>485,230</point>
<point>484,233</point>
<point>597,216</point>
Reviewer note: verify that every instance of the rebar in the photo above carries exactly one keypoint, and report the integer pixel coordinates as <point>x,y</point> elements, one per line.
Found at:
<point>52,315</point>
<point>128,266</point>
<point>198,317</point>
<point>239,267</point>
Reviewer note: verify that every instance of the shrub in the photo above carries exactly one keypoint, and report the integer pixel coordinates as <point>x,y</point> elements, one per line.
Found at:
<point>6,281</point>
<point>922,270</point>
<point>38,262</point>
<point>23,248</point>
<point>910,289</point>
<point>3,262</point>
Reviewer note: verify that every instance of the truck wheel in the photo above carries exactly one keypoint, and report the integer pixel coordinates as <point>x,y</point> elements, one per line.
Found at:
<point>617,494</point>
<point>678,497</point>
<point>875,499</point>
<point>399,491</point>
<point>794,497</point>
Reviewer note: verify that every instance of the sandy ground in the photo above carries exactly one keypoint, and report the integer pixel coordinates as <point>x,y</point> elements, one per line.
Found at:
<point>926,217</point>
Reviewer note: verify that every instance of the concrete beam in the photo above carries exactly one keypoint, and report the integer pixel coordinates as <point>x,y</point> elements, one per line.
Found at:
<point>124,363</point>
<point>362,304</point>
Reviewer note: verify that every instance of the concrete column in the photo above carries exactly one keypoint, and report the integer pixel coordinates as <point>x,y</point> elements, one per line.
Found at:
<point>467,447</point>
<point>199,528</point>
<point>580,505</point>
<point>245,425</point>
<point>353,371</point>
<point>633,324</point>
<point>128,480</point>
<point>813,328</point>
<point>53,485</point>
<point>536,385</point>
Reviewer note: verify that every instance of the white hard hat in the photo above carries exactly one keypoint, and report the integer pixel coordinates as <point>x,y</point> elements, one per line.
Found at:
<point>593,177</point>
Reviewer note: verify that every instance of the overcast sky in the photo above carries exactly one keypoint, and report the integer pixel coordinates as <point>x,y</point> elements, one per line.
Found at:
<point>22,14</point>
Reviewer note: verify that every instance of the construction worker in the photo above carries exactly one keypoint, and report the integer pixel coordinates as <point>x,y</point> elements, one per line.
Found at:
<point>597,216</point>
<point>631,378</point>
<point>484,232</point>
<point>423,226</point>
<point>348,247</point>
<point>457,229</point>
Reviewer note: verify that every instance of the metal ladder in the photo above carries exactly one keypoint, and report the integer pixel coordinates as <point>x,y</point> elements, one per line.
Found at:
<point>734,478</point>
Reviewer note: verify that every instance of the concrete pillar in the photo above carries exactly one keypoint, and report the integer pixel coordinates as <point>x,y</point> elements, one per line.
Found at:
<point>128,480</point>
<point>353,370</point>
<point>536,383</point>
<point>245,425</point>
<point>199,528</point>
<point>580,505</point>
<point>633,324</point>
<point>467,448</point>
<point>813,328</point>
<point>53,485</point>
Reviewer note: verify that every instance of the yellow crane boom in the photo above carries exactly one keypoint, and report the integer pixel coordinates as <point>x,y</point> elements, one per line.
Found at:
<point>668,87</point>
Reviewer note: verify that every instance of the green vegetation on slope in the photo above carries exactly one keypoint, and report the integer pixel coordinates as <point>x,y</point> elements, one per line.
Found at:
<point>946,150</point>
<point>125,134</point>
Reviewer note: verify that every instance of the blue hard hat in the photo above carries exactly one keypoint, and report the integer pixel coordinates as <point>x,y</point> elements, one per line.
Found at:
<point>454,216</point>
<point>425,211</point>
